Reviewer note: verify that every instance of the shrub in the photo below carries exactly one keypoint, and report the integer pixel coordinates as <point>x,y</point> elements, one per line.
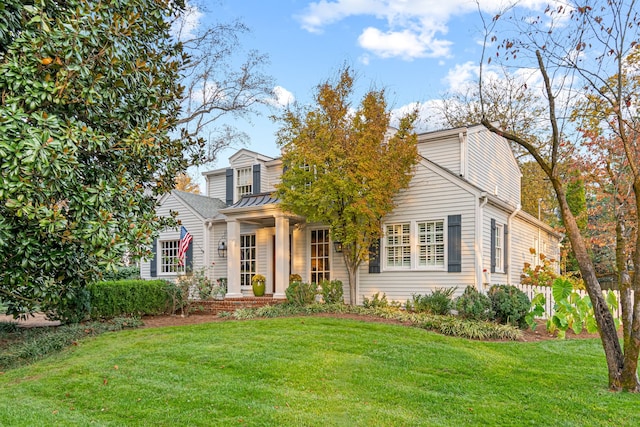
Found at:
<point>122,273</point>
<point>132,297</point>
<point>301,293</point>
<point>510,304</point>
<point>438,302</point>
<point>474,305</point>
<point>332,291</point>
<point>72,306</point>
<point>376,301</point>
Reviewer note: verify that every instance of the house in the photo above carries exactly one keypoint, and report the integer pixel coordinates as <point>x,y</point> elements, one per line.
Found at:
<point>458,223</point>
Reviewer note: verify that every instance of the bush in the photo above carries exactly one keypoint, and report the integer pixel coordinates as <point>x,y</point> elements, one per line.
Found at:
<point>474,305</point>
<point>122,273</point>
<point>510,304</point>
<point>132,297</point>
<point>332,291</point>
<point>438,302</point>
<point>72,306</point>
<point>301,294</point>
<point>376,301</point>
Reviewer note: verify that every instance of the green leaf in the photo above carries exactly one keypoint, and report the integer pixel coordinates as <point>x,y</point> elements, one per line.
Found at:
<point>561,289</point>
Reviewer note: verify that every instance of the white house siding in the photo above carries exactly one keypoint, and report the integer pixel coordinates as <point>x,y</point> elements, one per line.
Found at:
<point>492,166</point>
<point>191,222</point>
<point>501,217</point>
<point>443,151</point>
<point>219,269</point>
<point>270,177</point>
<point>216,185</point>
<point>527,236</point>
<point>429,197</point>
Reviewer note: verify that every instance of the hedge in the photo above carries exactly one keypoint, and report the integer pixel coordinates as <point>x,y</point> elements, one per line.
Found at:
<point>131,297</point>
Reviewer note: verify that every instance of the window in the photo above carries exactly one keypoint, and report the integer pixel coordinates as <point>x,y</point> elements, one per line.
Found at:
<point>244,181</point>
<point>319,256</point>
<point>418,245</point>
<point>431,244</point>
<point>169,257</point>
<point>498,250</point>
<point>398,245</point>
<point>247,258</point>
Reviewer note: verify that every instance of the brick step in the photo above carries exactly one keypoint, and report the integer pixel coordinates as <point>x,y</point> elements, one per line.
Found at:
<point>232,304</point>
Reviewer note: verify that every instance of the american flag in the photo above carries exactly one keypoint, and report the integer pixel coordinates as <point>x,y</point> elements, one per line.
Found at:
<point>183,245</point>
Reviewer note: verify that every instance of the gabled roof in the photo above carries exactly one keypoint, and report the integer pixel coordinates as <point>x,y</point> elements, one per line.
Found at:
<point>204,206</point>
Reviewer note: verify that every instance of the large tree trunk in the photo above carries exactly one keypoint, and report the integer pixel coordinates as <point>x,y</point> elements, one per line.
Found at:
<point>631,311</point>
<point>604,318</point>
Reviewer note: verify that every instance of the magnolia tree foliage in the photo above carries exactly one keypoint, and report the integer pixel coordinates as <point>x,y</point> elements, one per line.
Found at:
<point>88,96</point>
<point>344,166</point>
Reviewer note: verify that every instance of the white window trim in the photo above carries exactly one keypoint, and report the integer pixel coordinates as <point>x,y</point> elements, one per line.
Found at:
<point>159,267</point>
<point>308,248</point>
<point>255,260</point>
<point>414,244</point>
<point>249,181</point>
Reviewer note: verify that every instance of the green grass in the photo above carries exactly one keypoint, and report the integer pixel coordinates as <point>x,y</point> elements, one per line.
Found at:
<point>313,371</point>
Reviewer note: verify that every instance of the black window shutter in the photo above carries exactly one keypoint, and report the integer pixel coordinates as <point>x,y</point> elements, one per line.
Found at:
<point>493,245</point>
<point>454,242</point>
<point>188,264</point>
<point>506,249</point>
<point>153,267</point>
<point>374,257</point>
<point>229,187</point>
<point>256,179</point>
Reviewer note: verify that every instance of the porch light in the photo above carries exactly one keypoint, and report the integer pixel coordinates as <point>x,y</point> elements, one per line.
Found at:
<point>337,246</point>
<point>222,247</point>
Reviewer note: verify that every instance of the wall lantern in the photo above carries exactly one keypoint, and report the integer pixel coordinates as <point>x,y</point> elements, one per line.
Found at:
<point>222,246</point>
<point>337,246</point>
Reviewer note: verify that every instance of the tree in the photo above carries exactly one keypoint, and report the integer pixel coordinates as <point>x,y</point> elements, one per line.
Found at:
<point>343,168</point>
<point>578,48</point>
<point>184,182</point>
<point>89,96</point>
<point>507,99</point>
<point>216,86</point>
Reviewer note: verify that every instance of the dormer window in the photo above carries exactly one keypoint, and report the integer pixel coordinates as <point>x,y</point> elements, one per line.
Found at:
<point>244,182</point>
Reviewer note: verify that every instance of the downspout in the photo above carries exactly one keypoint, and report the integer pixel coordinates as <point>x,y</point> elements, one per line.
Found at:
<point>479,246</point>
<point>510,233</point>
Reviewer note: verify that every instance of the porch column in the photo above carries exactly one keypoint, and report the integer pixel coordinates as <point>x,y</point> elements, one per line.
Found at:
<point>233,259</point>
<point>282,256</point>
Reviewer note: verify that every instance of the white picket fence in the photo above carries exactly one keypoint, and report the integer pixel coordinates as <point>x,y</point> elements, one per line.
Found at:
<point>531,291</point>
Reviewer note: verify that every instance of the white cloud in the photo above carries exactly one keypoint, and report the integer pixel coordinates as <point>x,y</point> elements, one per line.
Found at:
<point>185,27</point>
<point>428,115</point>
<point>405,44</point>
<point>282,97</point>
<point>461,75</point>
<point>411,28</point>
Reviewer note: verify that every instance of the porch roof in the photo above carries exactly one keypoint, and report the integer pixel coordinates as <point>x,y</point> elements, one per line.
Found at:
<point>255,200</point>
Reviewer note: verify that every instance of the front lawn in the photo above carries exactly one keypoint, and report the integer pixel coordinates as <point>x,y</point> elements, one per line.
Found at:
<point>313,371</point>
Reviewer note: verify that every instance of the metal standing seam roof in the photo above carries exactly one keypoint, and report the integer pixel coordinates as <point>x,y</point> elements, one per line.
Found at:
<point>206,207</point>
<point>255,200</point>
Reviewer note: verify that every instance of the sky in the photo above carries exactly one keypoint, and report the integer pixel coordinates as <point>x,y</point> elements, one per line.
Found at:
<point>416,50</point>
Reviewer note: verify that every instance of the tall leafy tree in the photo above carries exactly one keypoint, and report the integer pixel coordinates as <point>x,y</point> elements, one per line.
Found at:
<point>184,182</point>
<point>88,94</point>
<point>576,47</point>
<point>343,167</point>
